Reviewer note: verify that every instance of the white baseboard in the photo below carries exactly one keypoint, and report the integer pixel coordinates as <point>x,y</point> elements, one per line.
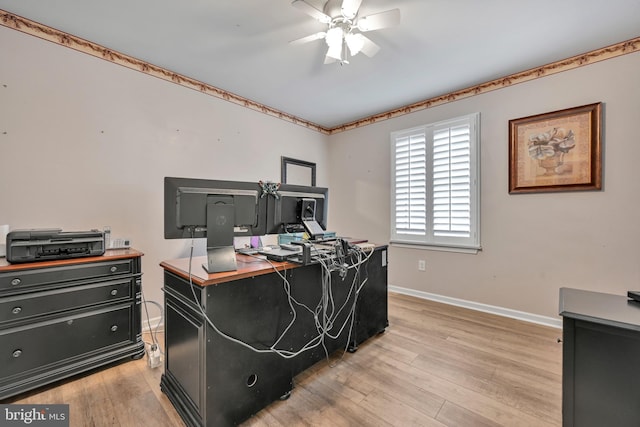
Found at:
<point>500,311</point>
<point>147,326</point>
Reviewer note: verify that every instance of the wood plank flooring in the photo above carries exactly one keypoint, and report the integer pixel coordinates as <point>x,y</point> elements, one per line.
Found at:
<point>436,365</point>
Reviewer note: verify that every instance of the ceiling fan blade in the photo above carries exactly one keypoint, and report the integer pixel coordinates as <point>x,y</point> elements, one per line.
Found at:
<point>380,20</point>
<point>369,48</point>
<point>350,8</point>
<point>312,37</point>
<point>311,11</point>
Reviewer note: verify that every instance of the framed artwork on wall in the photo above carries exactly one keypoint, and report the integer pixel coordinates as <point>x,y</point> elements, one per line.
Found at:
<point>556,151</point>
<point>300,172</point>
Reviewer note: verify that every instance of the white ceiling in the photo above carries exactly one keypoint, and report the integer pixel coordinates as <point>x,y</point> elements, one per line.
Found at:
<point>440,46</point>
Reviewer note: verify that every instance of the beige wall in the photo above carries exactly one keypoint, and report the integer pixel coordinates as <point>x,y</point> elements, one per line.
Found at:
<point>85,143</point>
<point>532,244</point>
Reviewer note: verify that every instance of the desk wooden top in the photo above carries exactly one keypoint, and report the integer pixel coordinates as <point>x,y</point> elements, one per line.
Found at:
<point>248,266</point>
<point>596,307</point>
<point>111,254</point>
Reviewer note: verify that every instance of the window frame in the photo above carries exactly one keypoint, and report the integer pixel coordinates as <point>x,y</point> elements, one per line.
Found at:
<point>428,239</point>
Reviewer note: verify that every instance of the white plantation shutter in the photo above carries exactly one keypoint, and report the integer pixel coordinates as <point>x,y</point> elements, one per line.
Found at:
<point>435,191</point>
<point>410,184</point>
<point>452,181</point>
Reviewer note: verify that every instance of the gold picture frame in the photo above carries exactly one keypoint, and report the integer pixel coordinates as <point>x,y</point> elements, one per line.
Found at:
<point>556,151</point>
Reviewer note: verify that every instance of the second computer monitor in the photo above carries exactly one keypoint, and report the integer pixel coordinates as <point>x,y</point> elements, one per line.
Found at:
<point>295,204</point>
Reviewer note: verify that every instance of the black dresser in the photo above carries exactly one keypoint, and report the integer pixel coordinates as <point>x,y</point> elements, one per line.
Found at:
<point>60,318</point>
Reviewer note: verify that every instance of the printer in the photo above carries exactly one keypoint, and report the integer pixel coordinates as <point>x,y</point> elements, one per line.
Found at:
<point>52,244</point>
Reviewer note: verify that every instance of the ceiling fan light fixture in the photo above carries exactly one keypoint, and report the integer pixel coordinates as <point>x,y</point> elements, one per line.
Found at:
<point>344,36</point>
<point>334,36</point>
<point>335,51</point>
<point>355,42</point>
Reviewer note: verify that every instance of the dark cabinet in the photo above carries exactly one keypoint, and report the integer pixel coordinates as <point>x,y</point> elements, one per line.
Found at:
<point>60,318</point>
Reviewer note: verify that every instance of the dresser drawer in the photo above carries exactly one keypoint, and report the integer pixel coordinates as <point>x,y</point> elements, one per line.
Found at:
<point>26,305</point>
<point>43,344</point>
<point>21,279</point>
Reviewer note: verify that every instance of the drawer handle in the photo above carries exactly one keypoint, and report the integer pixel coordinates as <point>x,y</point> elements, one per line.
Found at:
<point>16,282</point>
<point>114,292</point>
<point>114,328</point>
<point>113,269</point>
<point>17,353</point>
<point>16,310</point>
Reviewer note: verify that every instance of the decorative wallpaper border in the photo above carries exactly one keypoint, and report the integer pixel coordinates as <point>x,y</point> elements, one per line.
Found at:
<point>609,52</point>
<point>64,39</point>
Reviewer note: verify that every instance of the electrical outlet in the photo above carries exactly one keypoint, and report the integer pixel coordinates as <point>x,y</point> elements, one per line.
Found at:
<point>422,265</point>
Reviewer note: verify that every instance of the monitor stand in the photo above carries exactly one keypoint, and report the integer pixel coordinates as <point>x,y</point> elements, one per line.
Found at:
<point>221,254</point>
<point>220,259</point>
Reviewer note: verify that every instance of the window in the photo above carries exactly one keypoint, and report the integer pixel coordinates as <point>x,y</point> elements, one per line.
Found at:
<point>435,197</point>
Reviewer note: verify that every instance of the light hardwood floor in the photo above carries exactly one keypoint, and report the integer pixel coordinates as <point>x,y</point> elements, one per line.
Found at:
<point>436,365</point>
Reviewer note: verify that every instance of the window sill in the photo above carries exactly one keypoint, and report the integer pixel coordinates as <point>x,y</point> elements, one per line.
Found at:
<point>441,248</point>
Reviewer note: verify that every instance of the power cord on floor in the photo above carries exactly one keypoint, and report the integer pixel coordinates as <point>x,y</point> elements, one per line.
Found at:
<point>154,354</point>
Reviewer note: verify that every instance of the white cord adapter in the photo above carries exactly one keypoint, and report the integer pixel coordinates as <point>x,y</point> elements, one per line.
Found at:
<point>154,358</point>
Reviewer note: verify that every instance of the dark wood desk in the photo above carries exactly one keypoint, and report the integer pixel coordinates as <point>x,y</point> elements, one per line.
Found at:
<point>601,354</point>
<point>215,381</point>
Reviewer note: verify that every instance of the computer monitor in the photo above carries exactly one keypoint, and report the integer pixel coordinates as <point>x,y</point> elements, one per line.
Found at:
<point>297,208</point>
<point>217,210</point>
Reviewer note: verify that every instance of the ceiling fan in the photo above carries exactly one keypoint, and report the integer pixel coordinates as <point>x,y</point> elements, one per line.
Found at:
<point>344,36</point>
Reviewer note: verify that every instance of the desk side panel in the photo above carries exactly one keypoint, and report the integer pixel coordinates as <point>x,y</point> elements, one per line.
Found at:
<point>601,387</point>
<point>184,355</point>
<point>211,379</point>
<point>372,313</point>
<point>247,316</point>
<point>568,371</point>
